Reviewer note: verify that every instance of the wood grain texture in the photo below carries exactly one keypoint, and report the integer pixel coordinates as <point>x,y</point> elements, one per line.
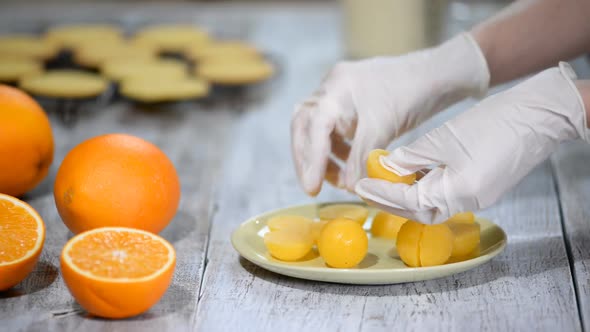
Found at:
<point>572,170</point>
<point>571,164</point>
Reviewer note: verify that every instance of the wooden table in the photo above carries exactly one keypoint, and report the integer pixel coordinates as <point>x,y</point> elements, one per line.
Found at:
<point>234,161</point>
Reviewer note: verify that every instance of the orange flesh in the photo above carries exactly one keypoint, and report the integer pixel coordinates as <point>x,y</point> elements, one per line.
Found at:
<point>18,232</point>
<point>115,254</point>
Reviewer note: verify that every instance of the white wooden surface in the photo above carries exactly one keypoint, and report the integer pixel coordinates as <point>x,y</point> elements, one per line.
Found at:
<point>234,161</point>
<point>572,169</point>
<point>572,174</point>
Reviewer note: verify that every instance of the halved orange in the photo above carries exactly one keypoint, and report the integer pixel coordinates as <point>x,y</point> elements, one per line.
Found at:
<point>117,272</point>
<point>22,234</point>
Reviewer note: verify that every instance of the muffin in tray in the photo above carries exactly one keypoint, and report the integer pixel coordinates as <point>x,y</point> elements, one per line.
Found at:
<point>92,55</point>
<point>27,46</point>
<point>69,89</point>
<point>119,69</point>
<point>234,72</point>
<point>228,49</point>
<point>68,37</point>
<point>167,90</point>
<point>15,68</point>
<point>171,38</point>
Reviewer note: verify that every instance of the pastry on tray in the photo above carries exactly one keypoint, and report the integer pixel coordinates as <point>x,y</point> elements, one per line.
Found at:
<point>120,69</point>
<point>65,83</point>
<point>13,69</point>
<point>27,46</point>
<point>173,38</point>
<point>153,91</point>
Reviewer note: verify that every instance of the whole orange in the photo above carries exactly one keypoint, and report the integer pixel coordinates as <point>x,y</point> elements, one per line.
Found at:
<point>26,142</point>
<point>116,180</point>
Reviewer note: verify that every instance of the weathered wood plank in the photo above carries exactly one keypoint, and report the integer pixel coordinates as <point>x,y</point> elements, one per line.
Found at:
<point>528,287</point>
<point>572,164</point>
<point>572,173</point>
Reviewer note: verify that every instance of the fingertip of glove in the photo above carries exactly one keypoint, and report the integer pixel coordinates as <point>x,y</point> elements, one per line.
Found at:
<point>370,187</point>
<point>311,190</point>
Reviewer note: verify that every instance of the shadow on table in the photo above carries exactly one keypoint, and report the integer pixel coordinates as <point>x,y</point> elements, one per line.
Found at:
<point>42,277</point>
<point>45,188</point>
<point>180,227</point>
<point>172,303</point>
<point>520,260</point>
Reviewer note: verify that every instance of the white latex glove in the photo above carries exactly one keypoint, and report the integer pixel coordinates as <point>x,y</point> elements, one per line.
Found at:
<point>483,152</point>
<point>373,101</point>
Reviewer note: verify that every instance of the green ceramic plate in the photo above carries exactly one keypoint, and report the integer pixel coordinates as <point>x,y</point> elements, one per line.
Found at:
<point>382,264</point>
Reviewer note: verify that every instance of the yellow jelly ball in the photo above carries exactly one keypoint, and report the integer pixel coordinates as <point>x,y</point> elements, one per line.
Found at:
<point>463,218</point>
<point>466,238</point>
<point>436,245</point>
<point>288,246</point>
<point>343,243</point>
<point>289,222</point>
<point>316,229</point>
<point>386,225</point>
<point>431,245</point>
<point>471,255</point>
<point>376,171</point>
<point>354,212</point>
<point>408,240</point>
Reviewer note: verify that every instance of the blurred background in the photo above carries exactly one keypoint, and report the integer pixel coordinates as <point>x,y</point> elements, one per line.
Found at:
<point>281,34</point>
<point>411,24</point>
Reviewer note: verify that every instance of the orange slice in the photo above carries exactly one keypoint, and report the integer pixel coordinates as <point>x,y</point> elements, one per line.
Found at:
<point>117,272</point>
<point>22,234</point>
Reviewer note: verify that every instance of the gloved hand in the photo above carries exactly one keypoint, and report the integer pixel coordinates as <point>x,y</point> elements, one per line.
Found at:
<point>483,152</point>
<point>373,101</point>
